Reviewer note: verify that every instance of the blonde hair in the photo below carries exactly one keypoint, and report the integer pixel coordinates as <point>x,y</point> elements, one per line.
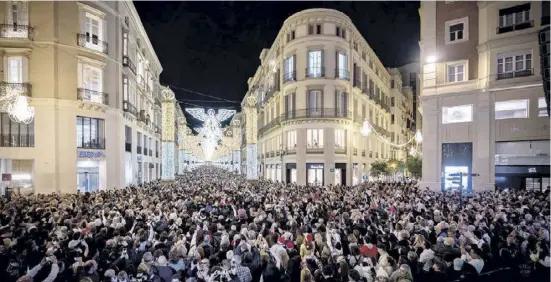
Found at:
<point>300,240</point>
<point>305,276</point>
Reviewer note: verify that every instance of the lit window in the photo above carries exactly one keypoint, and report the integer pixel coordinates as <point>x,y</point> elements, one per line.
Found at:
<point>15,69</point>
<point>291,140</point>
<point>542,107</point>
<point>457,114</point>
<point>514,65</point>
<point>289,69</point>
<point>340,138</point>
<point>456,73</point>
<point>315,65</point>
<point>314,138</point>
<point>511,109</point>
<point>514,15</point>
<point>342,65</point>
<point>457,30</point>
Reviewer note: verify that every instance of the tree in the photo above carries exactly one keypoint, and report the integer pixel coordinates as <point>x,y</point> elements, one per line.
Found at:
<point>395,165</point>
<point>379,168</point>
<point>414,166</point>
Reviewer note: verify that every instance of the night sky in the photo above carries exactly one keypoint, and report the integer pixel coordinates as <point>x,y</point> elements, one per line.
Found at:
<point>213,47</point>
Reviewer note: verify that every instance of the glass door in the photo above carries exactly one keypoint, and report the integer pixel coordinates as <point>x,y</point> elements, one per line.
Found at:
<point>338,175</point>
<point>88,181</point>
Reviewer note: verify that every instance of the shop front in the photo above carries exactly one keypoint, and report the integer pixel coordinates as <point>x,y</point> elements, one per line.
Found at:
<point>19,173</point>
<point>456,157</point>
<point>314,174</point>
<point>340,174</point>
<point>291,172</point>
<point>522,177</point>
<point>91,171</point>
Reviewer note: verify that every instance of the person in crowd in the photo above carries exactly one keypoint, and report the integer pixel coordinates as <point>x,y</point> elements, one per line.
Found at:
<point>213,225</point>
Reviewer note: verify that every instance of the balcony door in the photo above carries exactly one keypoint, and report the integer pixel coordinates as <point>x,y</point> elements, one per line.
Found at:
<point>315,103</point>
<point>14,72</point>
<point>92,82</point>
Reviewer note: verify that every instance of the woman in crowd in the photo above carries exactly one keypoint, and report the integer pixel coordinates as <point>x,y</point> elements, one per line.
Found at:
<point>214,226</point>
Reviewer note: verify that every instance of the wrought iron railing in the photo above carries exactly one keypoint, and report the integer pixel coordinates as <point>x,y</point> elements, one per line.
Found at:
<point>340,150</point>
<point>270,125</point>
<point>93,96</point>
<point>314,148</point>
<point>21,88</point>
<point>97,143</point>
<point>342,74</point>
<point>513,74</point>
<point>16,31</point>
<point>126,62</point>
<point>129,108</point>
<point>17,140</point>
<point>316,113</point>
<point>290,151</point>
<point>315,72</point>
<point>289,76</point>
<point>92,42</point>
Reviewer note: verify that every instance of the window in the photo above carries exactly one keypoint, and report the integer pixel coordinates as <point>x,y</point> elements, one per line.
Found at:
<point>290,105</point>
<point>341,103</point>
<point>516,64</point>
<point>315,103</point>
<point>15,69</point>
<point>340,138</point>
<point>457,114</point>
<point>93,32</point>
<point>90,133</point>
<point>457,30</point>
<point>340,32</point>
<point>14,134</point>
<point>392,119</point>
<point>291,140</point>
<point>92,85</point>
<point>456,72</point>
<point>127,139</point>
<point>18,17</point>
<point>542,107</point>
<point>314,138</point>
<point>364,57</point>
<point>315,63</point>
<point>511,109</point>
<point>291,36</point>
<point>392,101</point>
<point>289,69</point>
<point>392,83</point>
<point>514,15</point>
<point>125,42</point>
<point>314,29</point>
<point>342,65</point>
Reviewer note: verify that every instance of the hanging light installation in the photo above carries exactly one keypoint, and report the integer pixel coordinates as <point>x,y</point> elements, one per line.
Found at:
<point>20,111</point>
<point>211,129</point>
<point>366,128</point>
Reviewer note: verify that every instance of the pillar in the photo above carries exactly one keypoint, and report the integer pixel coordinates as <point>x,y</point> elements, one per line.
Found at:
<point>251,135</point>
<point>168,145</point>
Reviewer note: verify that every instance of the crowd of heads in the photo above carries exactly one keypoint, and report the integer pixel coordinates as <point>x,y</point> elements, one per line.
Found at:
<point>213,225</point>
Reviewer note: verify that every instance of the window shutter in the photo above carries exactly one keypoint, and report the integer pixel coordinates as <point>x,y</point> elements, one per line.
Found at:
<point>310,29</point>
<point>23,13</point>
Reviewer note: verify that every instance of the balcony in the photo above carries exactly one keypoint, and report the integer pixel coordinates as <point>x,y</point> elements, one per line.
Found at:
<point>342,74</point>
<point>513,27</point>
<point>291,151</point>
<point>316,113</point>
<point>21,88</point>
<point>98,143</point>
<point>16,31</point>
<point>143,117</point>
<point>314,148</point>
<point>127,107</point>
<point>315,72</point>
<point>127,63</point>
<point>270,125</point>
<point>371,154</point>
<point>340,150</point>
<point>272,154</point>
<point>87,95</point>
<point>17,140</point>
<point>139,149</point>
<point>290,76</point>
<point>92,42</point>
<point>128,147</point>
<point>513,74</point>
<point>355,151</point>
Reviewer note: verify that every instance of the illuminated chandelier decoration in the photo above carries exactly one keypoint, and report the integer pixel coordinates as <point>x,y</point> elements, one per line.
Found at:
<point>211,132</point>
<point>367,128</point>
<point>16,105</point>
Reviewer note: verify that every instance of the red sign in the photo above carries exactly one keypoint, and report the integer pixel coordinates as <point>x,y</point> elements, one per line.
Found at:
<point>6,176</point>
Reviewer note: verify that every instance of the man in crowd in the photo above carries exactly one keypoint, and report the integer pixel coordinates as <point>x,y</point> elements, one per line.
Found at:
<point>212,225</point>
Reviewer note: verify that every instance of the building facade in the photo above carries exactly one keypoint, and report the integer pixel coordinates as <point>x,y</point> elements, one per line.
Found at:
<point>482,99</point>
<point>95,92</point>
<point>315,87</point>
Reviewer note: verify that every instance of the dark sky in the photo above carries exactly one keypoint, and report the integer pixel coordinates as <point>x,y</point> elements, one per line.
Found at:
<point>213,47</point>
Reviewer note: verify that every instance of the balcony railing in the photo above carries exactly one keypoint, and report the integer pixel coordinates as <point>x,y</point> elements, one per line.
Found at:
<point>315,72</point>
<point>317,113</point>
<point>16,31</point>
<point>513,27</point>
<point>355,151</point>
<point>129,108</point>
<point>314,148</point>
<point>126,62</point>
<point>139,149</point>
<point>342,74</point>
<point>513,74</point>
<point>340,150</point>
<point>270,125</point>
<point>128,147</point>
<point>98,143</point>
<point>22,88</point>
<point>17,140</point>
<point>92,42</point>
<point>290,151</point>
<point>290,76</point>
<point>93,96</point>
<point>363,153</point>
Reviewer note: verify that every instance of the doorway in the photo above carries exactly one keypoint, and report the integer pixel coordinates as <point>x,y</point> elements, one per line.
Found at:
<point>88,178</point>
<point>536,183</point>
<point>315,174</point>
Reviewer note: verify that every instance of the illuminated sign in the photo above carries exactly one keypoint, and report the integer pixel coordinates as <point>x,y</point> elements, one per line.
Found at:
<point>90,154</point>
<point>532,170</point>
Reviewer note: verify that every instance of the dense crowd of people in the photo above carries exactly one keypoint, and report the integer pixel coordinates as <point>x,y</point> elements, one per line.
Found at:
<point>211,225</point>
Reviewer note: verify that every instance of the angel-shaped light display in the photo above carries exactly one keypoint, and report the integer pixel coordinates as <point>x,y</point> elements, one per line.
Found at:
<point>211,132</point>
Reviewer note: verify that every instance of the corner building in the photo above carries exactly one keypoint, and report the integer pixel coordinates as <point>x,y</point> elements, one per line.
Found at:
<point>92,76</point>
<point>315,86</point>
<point>483,101</point>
